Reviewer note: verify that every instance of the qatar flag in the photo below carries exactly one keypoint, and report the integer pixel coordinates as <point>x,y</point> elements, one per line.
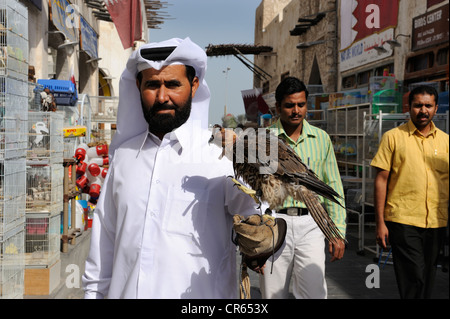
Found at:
<point>72,77</point>
<point>126,16</point>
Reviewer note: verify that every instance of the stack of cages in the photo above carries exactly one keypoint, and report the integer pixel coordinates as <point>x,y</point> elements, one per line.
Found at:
<point>45,182</point>
<point>13,144</point>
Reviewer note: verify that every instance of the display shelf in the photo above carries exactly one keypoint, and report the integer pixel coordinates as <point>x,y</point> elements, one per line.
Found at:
<point>345,125</point>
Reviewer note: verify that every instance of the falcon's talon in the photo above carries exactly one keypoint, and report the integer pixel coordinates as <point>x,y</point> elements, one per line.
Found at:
<point>248,191</point>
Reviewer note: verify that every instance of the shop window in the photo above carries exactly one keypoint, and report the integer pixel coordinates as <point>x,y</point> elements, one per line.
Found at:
<point>349,82</point>
<point>363,77</point>
<point>381,70</point>
<point>420,62</point>
<point>442,56</point>
<point>266,87</point>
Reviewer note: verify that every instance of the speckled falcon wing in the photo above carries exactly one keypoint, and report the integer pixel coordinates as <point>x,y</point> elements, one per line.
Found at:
<point>292,168</point>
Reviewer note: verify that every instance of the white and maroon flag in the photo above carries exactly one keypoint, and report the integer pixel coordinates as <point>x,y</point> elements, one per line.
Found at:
<point>126,15</point>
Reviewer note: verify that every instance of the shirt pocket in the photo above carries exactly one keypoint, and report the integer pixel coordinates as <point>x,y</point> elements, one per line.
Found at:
<point>440,162</point>
<point>186,211</point>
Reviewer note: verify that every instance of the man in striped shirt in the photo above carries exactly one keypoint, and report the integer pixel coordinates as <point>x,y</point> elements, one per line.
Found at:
<point>303,257</point>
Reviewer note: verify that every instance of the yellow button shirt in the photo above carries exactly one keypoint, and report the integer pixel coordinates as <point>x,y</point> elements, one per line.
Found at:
<point>418,185</point>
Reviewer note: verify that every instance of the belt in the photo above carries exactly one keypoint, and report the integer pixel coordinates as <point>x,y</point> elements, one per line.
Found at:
<point>294,211</point>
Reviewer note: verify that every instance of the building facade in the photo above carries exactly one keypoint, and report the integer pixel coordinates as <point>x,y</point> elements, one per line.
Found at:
<point>286,24</point>
<point>77,38</point>
<point>341,44</point>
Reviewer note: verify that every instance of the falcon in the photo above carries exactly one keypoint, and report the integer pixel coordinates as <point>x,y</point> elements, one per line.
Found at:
<point>274,177</point>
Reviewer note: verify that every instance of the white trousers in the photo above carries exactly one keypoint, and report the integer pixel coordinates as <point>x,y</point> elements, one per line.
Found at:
<point>302,258</point>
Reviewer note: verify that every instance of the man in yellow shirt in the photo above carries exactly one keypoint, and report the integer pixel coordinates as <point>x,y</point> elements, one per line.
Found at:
<point>411,194</point>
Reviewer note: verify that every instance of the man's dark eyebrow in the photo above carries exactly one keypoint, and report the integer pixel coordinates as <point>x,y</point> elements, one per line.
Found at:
<point>288,104</point>
<point>158,82</point>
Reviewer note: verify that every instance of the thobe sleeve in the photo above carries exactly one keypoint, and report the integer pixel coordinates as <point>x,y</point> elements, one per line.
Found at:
<point>237,202</point>
<point>98,268</point>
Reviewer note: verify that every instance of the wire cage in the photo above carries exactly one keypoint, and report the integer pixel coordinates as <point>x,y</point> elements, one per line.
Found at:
<point>104,117</point>
<point>42,239</point>
<point>45,137</point>
<point>12,194</point>
<point>70,144</point>
<point>45,188</point>
<point>12,265</point>
<point>13,39</point>
<point>13,117</point>
<point>34,97</point>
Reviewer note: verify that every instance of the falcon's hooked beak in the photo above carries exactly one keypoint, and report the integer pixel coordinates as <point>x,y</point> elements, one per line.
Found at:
<point>218,136</point>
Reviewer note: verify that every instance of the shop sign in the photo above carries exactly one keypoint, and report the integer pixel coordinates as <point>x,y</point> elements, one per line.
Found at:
<point>430,29</point>
<point>88,39</point>
<point>431,3</point>
<point>363,52</point>
<point>65,18</point>
<point>366,24</point>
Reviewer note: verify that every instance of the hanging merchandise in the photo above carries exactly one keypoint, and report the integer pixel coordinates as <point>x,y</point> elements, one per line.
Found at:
<point>92,167</point>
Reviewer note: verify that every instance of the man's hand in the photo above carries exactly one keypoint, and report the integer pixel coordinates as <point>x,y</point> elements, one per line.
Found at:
<point>260,270</point>
<point>382,235</point>
<point>336,249</point>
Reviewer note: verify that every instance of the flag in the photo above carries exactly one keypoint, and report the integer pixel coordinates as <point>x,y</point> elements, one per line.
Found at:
<point>72,77</point>
<point>126,16</point>
<point>254,103</point>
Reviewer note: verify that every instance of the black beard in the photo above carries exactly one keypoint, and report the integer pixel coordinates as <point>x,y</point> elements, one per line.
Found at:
<point>165,123</point>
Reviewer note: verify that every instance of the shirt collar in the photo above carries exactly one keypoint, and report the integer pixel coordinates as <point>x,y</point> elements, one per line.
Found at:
<point>306,130</point>
<point>412,128</point>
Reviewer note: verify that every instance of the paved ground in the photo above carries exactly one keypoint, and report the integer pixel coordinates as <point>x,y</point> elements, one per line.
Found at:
<point>346,279</point>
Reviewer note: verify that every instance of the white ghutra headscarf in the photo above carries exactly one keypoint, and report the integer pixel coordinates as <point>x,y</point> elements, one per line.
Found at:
<point>130,119</point>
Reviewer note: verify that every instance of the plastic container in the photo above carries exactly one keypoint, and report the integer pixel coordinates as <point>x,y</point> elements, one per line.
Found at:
<point>381,83</point>
<point>387,101</point>
<point>65,92</point>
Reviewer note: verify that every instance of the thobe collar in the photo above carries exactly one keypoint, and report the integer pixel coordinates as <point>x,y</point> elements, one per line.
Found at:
<point>183,136</point>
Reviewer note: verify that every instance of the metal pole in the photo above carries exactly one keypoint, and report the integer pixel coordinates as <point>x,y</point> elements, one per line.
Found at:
<point>65,209</point>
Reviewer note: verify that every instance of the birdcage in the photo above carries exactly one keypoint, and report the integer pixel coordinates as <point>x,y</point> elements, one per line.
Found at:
<point>34,97</point>
<point>42,239</point>
<point>13,39</point>
<point>45,138</point>
<point>45,185</point>
<point>13,117</point>
<point>12,264</point>
<point>12,194</point>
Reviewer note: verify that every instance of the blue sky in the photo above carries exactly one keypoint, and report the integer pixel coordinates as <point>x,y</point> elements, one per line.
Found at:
<point>215,22</point>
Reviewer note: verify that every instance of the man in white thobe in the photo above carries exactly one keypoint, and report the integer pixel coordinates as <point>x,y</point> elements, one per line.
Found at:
<point>163,222</point>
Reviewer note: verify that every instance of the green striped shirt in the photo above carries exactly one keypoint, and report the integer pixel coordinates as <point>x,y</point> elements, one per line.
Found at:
<point>316,150</point>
